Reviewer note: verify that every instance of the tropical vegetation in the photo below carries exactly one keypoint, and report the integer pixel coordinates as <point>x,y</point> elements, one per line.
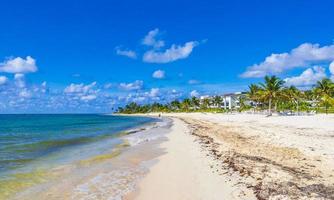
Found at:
<point>270,96</point>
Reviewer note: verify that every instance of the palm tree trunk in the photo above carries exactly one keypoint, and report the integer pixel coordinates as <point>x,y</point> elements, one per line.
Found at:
<point>297,108</point>
<point>326,109</point>
<point>269,109</point>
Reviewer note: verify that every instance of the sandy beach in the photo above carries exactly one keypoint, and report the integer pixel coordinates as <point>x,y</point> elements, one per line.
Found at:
<point>194,156</point>
<point>243,156</point>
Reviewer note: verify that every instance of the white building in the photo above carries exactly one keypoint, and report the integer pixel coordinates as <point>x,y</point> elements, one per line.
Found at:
<point>232,100</point>
<point>229,101</point>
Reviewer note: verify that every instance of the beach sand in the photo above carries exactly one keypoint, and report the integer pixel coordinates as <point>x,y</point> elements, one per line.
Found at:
<point>243,156</point>
<point>195,156</point>
<point>185,172</point>
<point>105,176</point>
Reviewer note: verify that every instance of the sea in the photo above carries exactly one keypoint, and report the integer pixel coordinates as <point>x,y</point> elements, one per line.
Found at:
<point>33,145</point>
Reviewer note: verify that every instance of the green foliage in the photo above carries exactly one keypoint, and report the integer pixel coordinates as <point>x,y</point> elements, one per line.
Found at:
<point>263,96</point>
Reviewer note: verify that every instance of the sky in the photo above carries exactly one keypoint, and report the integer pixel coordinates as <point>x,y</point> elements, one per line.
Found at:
<point>83,56</point>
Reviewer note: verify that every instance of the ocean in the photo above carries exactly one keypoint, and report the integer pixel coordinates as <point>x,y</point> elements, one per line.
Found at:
<point>30,145</point>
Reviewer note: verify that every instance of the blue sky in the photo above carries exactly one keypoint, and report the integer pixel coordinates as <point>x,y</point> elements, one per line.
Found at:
<point>91,56</point>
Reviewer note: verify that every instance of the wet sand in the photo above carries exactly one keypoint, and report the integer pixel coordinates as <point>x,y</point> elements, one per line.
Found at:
<point>107,176</point>
<point>208,156</point>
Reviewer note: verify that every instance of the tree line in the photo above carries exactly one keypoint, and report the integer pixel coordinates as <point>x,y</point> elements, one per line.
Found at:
<point>270,95</point>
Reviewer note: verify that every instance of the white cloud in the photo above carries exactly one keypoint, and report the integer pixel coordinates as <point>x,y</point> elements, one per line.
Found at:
<point>127,53</point>
<point>150,39</point>
<point>25,93</point>
<point>19,65</point>
<point>136,85</point>
<point>88,97</point>
<point>154,92</point>
<point>3,80</point>
<point>304,55</point>
<point>193,82</point>
<point>194,93</point>
<point>44,84</point>
<point>307,78</point>
<point>331,70</point>
<point>152,95</point>
<point>78,95</point>
<point>174,53</point>
<point>331,67</point>
<point>43,88</point>
<point>80,88</point>
<point>19,80</point>
<point>159,74</point>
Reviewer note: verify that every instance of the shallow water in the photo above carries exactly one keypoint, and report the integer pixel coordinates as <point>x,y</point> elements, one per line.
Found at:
<point>35,149</point>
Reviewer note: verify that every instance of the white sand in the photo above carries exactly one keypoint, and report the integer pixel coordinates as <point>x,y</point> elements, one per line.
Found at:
<point>185,172</point>
<point>294,156</point>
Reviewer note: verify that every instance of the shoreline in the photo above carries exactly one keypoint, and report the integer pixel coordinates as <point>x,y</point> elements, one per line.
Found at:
<point>207,156</point>
<point>243,156</point>
<point>113,173</point>
<point>186,172</point>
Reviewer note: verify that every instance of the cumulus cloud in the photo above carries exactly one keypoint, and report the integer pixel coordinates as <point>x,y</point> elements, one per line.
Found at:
<point>127,53</point>
<point>19,80</point>
<point>25,93</point>
<point>308,77</point>
<point>151,39</point>
<point>3,80</point>
<point>154,92</point>
<point>159,74</point>
<point>19,65</point>
<point>304,55</point>
<point>175,52</point>
<point>80,88</point>
<point>194,93</point>
<point>43,87</point>
<point>151,95</point>
<point>136,85</point>
<point>81,92</point>
<point>88,97</point>
<point>331,70</point>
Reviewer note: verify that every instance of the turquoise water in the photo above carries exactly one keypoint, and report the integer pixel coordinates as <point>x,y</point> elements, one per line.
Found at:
<point>27,139</point>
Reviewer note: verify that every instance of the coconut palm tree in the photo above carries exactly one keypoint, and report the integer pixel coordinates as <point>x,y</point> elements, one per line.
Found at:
<point>206,103</point>
<point>175,105</point>
<point>185,105</point>
<point>271,90</point>
<point>242,103</point>
<point>194,102</point>
<point>292,94</point>
<point>253,94</point>
<point>325,91</point>
<point>217,100</point>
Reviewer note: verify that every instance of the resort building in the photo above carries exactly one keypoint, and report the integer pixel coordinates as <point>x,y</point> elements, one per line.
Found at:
<point>228,101</point>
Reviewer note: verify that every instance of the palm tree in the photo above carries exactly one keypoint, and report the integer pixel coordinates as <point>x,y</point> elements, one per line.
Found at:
<point>194,102</point>
<point>294,95</point>
<point>242,103</point>
<point>325,91</point>
<point>217,100</point>
<point>206,103</point>
<point>175,105</point>
<point>270,90</point>
<point>186,103</point>
<point>253,94</point>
